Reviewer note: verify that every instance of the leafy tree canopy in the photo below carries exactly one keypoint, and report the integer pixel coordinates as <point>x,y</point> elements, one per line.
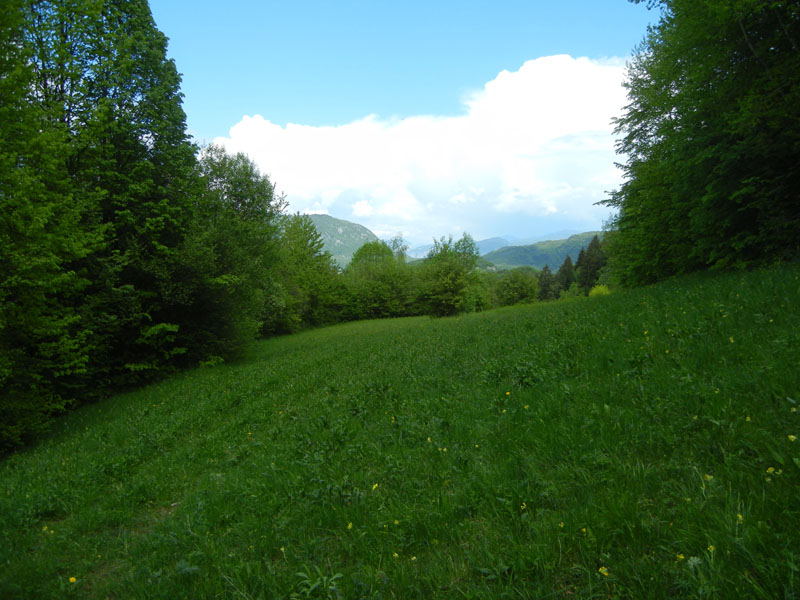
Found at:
<point>711,137</point>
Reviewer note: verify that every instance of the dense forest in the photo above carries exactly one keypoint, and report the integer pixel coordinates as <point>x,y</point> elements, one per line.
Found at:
<point>128,252</point>
<point>711,140</point>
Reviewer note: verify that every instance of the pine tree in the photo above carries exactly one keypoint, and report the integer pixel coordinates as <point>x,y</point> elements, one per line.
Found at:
<point>565,275</point>
<point>591,261</point>
<point>547,284</point>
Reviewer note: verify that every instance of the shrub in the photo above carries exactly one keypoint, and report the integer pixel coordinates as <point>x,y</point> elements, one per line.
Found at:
<point>599,290</point>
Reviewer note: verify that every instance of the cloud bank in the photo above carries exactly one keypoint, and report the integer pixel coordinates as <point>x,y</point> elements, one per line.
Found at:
<point>531,153</point>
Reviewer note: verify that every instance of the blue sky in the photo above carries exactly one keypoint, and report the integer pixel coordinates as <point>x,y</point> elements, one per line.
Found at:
<point>420,118</point>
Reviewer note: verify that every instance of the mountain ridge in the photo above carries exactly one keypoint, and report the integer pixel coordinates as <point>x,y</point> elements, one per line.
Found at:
<point>341,238</point>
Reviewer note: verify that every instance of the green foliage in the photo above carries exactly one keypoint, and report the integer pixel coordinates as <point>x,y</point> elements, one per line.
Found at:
<point>122,258</point>
<point>548,286</point>
<point>517,286</point>
<point>712,140</point>
<point>599,290</point>
<point>379,281</point>
<point>43,350</point>
<point>590,262</point>
<point>565,276</point>
<point>307,290</point>
<point>103,79</point>
<point>516,452</point>
<point>229,256</point>
<point>447,276</point>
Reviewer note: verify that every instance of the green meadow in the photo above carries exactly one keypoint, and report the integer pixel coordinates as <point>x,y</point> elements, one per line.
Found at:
<point>642,444</point>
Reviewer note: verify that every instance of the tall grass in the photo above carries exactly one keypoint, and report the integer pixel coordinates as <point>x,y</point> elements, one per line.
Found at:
<point>636,445</point>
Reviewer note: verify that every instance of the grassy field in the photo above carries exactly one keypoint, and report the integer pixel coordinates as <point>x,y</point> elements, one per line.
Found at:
<point>638,445</point>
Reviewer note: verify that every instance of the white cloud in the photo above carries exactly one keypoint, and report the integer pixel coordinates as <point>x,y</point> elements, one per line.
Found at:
<point>531,154</point>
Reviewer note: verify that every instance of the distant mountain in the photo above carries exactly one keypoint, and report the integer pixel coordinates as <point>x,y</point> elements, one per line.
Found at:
<point>543,237</point>
<point>551,252</point>
<point>484,247</point>
<point>492,244</point>
<point>341,238</point>
<point>419,251</point>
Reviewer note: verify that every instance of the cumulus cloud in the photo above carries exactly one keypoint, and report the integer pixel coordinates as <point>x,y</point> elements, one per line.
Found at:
<point>531,153</point>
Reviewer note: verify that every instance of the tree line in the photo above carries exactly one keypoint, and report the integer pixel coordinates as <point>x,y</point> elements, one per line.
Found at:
<point>711,140</point>
<point>127,252</point>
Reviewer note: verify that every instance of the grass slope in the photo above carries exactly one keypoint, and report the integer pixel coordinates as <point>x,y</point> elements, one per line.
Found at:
<point>638,445</point>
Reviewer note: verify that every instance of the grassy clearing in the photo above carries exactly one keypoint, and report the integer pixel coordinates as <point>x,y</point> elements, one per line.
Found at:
<point>637,445</point>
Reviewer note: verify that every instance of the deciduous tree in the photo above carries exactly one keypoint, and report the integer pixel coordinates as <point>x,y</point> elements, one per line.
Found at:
<point>711,137</point>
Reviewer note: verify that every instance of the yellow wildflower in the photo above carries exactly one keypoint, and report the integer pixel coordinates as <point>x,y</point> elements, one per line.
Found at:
<point>711,548</point>
<point>791,437</point>
<point>523,506</point>
<point>771,470</point>
<point>679,557</point>
<point>72,580</point>
<point>395,555</point>
<point>603,571</point>
<point>740,518</point>
<point>374,487</point>
<point>350,525</point>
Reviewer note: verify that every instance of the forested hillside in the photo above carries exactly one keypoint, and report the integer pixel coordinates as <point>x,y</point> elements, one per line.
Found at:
<point>341,239</point>
<point>540,254</point>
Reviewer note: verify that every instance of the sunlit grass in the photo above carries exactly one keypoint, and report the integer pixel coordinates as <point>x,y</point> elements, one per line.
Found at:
<point>641,444</point>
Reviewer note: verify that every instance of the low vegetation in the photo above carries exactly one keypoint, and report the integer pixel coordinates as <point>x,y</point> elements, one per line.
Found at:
<point>641,444</point>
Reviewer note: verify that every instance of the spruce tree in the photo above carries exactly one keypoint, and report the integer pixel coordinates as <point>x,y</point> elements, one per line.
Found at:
<point>592,260</point>
<point>547,284</point>
<point>565,275</point>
